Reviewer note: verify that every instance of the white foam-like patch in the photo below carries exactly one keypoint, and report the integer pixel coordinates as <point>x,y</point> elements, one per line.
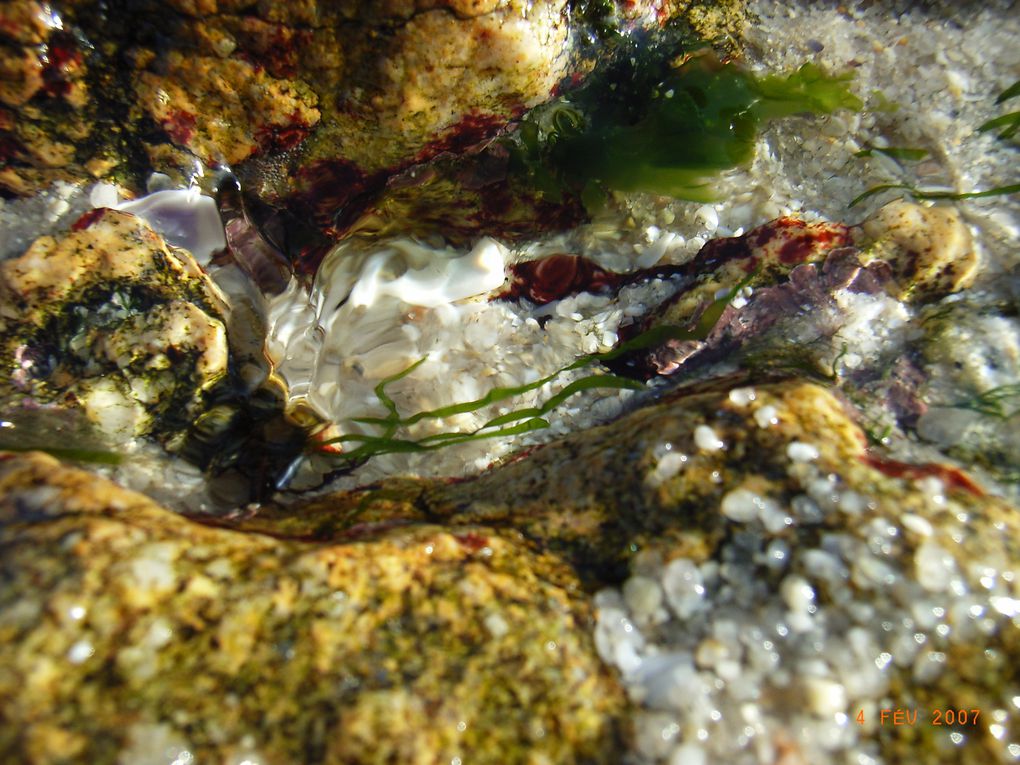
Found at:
<point>184,217</point>
<point>436,282</point>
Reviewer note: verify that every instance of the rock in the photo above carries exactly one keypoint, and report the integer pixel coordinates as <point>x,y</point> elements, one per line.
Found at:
<point>930,248</point>
<point>776,485</point>
<point>128,631</point>
<point>315,105</point>
<point>971,356</point>
<point>127,594</point>
<point>224,111</point>
<point>44,112</point>
<point>114,321</point>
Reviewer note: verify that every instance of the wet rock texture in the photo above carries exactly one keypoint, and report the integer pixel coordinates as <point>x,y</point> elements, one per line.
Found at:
<point>93,88</point>
<point>127,628</point>
<point>422,621</point>
<point>113,321</point>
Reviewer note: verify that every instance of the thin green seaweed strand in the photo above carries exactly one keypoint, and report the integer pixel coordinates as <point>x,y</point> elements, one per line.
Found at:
<point>993,402</point>
<point>998,191</point>
<point>372,446</point>
<point>95,456</point>
<point>1010,121</point>
<point>894,152</point>
<point>1011,92</point>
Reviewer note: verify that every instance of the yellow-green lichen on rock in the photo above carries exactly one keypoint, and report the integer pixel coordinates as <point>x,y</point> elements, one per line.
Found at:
<point>406,621</point>
<point>142,630</point>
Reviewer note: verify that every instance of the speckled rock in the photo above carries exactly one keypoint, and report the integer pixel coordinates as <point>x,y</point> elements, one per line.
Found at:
<point>789,268</point>
<point>777,482</point>
<point>91,89</point>
<point>112,320</point>
<point>812,584</point>
<point>44,113</point>
<point>128,632</point>
<point>139,592</point>
<point>930,248</point>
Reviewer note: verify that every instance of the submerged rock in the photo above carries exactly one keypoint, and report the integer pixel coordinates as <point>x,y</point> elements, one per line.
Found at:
<point>128,631</point>
<point>427,620</point>
<point>111,320</point>
<point>930,248</point>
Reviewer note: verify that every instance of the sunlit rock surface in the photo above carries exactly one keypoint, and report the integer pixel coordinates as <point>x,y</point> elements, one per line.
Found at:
<point>758,567</point>
<point>96,90</point>
<point>128,630</point>
<point>360,627</point>
<point>111,320</point>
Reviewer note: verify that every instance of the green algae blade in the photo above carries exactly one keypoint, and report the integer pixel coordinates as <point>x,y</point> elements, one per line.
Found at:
<point>1011,92</point>
<point>894,152</point>
<point>998,191</point>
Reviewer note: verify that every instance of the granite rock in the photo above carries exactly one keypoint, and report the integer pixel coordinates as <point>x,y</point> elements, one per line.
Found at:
<point>128,631</point>
<point>113,321</point>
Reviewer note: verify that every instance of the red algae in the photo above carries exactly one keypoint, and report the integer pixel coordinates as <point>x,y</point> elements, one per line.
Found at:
<point>471,131</point>
<point>180,126</point>
<point>283,137</point>
<point>472,541</point>
<point>88,218</point>
<point>62,55</point>
<point>952,477</point>
<point>557,276</point>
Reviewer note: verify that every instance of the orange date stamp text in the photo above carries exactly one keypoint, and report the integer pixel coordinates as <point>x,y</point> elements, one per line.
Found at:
<point>897,716</point>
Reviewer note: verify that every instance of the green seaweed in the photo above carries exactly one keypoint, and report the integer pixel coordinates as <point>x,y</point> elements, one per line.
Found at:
<point>894,152</point>
<point>921,194</point>
<point>881,103</point>
<point>1011,92</point>
<point>666,131</point>
<point>387,443</point>
<point>92,456</point>
<point>1011,123</point>
<point>1002,402</point>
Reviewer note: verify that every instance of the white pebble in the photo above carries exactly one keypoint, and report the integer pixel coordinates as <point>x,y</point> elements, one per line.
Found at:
<point>104,195</point>
<point>934,567</point>
<point>929,666</point>
<point>852,503</point>
<point>688,754</point>
<point>642,595</point>
<point>684,588</point>
<point>728,670</point>
<point>706,439</point>
<point>710,653</point>
<point>773,517</point>
<point>798,451</point>
<point>766,416</point>
<point>671,464</point>
<point>59,207</point>
<point>917,524</point>
<point>741,396</point>
<point>797,593</point>
<point>739,505</point>
<point>708,217</point>
<point>824,565</point>
<point>496,625</point>
<point>825,697</point>
<point>80,651</point>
